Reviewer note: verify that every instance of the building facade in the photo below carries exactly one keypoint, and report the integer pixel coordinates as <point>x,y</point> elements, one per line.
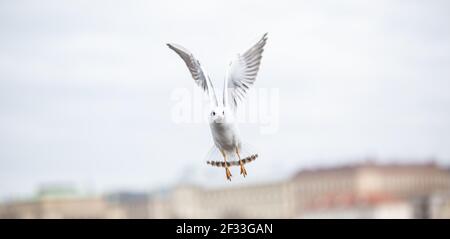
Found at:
<point>357,191</point>
<point>361,188</point>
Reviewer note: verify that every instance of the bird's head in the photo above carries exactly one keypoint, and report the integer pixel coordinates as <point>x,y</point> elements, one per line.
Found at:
<point>219,115</point>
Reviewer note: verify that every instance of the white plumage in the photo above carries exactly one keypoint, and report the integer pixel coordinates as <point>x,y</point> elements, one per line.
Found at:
<point>240,76</point>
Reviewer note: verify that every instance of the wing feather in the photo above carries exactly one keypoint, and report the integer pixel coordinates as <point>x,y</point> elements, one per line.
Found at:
<point>200,77</point>
<point>243,71</point>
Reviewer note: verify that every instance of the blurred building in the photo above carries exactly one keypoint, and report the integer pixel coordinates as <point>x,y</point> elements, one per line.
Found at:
<point>61,208</point>
<point>132,204</point>
<point>357,191</point>
<point>60,202</point>
<point>439,205</point>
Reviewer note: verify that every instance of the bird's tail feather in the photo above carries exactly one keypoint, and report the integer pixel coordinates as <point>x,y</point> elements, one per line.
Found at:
<point>232,163</point>
<point>215,158</point>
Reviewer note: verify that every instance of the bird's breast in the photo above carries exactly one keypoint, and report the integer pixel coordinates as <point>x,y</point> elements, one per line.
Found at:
<point>225,135</point>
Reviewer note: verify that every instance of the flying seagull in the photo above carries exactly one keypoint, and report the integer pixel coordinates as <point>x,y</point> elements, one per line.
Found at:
<point>240,76</point>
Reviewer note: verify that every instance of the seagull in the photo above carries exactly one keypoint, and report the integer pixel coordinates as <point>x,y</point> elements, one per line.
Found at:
<point>239,77</point>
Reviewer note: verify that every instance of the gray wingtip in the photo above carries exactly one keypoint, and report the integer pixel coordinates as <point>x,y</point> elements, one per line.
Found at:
<point>264,37</point>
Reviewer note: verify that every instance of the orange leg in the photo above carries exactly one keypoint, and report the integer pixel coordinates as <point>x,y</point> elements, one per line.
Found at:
<point>243,171</point>
<point>227,170</point>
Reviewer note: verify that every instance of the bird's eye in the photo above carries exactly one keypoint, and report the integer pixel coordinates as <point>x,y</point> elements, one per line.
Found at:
<point>213,113</point>
<point>223,112</point>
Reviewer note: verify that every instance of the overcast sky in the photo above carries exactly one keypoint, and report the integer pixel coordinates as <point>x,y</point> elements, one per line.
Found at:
<point>85,87</point>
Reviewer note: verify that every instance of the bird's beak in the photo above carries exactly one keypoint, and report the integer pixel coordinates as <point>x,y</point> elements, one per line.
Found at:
<point>219,119</point>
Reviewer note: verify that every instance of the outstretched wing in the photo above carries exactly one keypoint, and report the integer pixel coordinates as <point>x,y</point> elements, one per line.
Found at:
<point>242,73</point>
<point>198,73</point>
